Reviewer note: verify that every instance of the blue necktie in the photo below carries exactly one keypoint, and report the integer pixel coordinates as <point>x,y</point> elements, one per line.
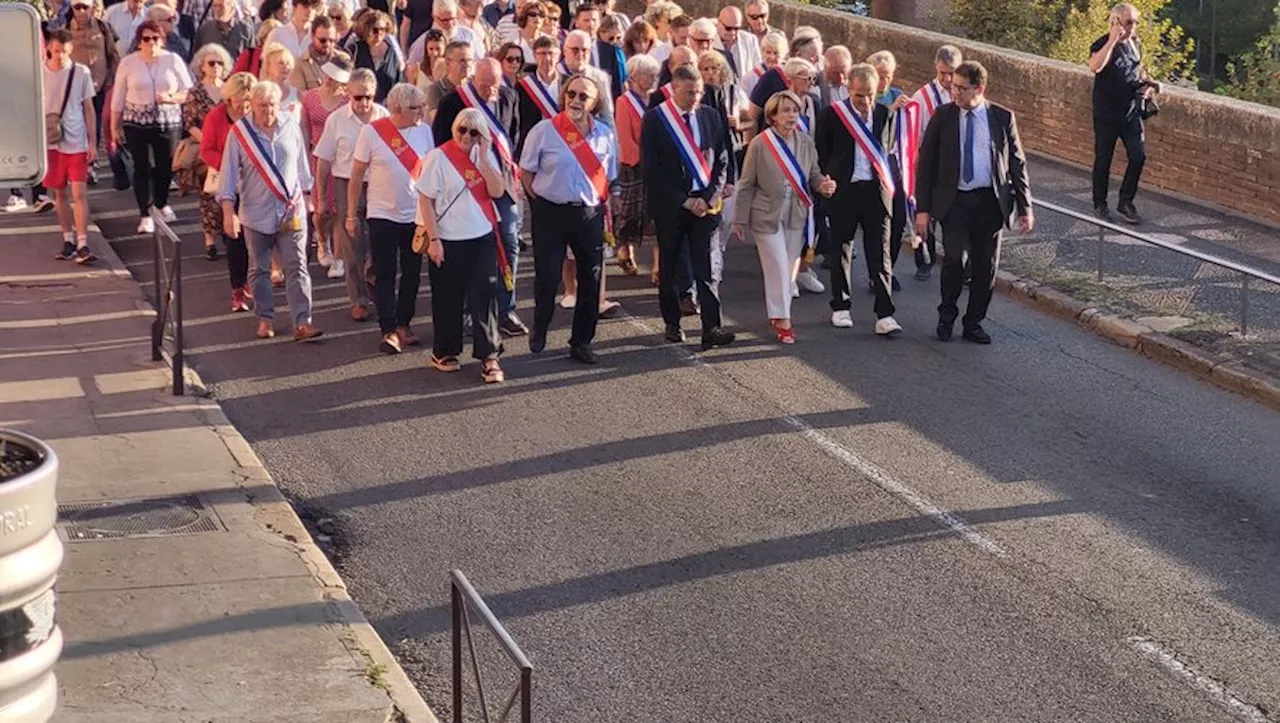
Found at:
<point>968,148</point>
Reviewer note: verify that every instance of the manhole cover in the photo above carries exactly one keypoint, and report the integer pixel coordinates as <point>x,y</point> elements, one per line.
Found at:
<point>155,517</point>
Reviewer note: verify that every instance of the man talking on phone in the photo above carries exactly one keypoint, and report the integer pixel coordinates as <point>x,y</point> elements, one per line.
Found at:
<point>1121,100</point>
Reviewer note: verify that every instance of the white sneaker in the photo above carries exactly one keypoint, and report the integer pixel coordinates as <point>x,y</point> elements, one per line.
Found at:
<point>795,290</point>
<point>337,270</point>
<point>15,203</point>
<point>168,215</point>
<point>808,281</point>
<point>887,326</point>
<point>146,225</point>
<point>842,320</point>
<point>568,301</point>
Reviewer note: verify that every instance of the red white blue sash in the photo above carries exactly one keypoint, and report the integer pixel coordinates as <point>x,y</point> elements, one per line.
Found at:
<point>632,100</point>
<point>564,69</point>
<point>804,124</point>
<point>682,136</point>
<point>795,175</point>
<point>540,95</point>
<point>934,97</point>
<point>866,142</point>
<point>906,145</point>
<point>666,91</point>
<point>501,143</point>
<point>254,148</point>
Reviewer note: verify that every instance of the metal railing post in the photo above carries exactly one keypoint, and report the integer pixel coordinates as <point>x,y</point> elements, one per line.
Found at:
<point>178,380</point>
<point>1244,305</point>
<point>457,652</point>
<point>157,326</point>
<point>526,695</point>
<point>1102,244</point>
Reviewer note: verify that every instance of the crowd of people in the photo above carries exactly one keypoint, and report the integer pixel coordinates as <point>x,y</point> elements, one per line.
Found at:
<point>377,143</point>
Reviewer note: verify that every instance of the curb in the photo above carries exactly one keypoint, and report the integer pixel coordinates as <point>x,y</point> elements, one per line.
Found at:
<point>1143,339</point>
<point>407,703</point>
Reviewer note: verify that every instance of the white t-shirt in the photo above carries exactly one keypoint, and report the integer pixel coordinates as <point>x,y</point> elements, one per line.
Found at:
<point>291,105</point>
<point>441,182</point>
<point>75,135</point>
<point>338,140</point>
<point>391,193</point>
<point>287,36</point>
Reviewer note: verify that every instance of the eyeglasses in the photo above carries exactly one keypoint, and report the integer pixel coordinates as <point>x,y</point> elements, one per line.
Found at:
<point>382,29</point>
<point>79,7</point>
<point>759,16</point>
<point>414,108</point>
<point>806,78</point>
<point>513,59</point>
<point>956,87</point>
<point>362,96</point>
<point>323,41</point>
<point>576,95</point>
<point>338,17</point>
<point>464,131</point>
<point>701,40</point>
<point>149,39</point>
<point>214,63</point>
<point>568,49</point>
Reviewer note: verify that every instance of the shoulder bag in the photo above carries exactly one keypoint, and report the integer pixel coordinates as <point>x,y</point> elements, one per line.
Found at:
<point>53,121</point>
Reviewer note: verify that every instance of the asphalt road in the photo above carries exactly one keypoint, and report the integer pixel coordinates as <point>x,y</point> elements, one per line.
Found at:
<point>852,529</point>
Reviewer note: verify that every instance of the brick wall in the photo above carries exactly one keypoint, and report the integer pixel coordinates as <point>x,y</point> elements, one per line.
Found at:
<point>1218,150</point>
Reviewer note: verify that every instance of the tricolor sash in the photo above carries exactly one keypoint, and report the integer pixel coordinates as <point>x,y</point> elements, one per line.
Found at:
<point>501,142</point>
<point>479,191</point>
<point>632,100</point>
<point>867,142</point>
<point>796,178</point>
<point>564,69</point>
<point>682,136</point>
<point>666,91</point>
<point>540,95</point>
<point>906,145</point>
<point>399,146</point>
<point>933,97</point>
<point>804,123</point>
<point>253,146</point>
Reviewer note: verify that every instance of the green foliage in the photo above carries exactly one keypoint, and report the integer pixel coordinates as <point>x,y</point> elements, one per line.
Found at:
<point>1255,75</point>
<point>1024,25</point>
<point>1169,53</point>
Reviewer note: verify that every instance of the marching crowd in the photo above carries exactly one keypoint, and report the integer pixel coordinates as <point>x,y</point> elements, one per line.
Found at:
<point>446,133</point>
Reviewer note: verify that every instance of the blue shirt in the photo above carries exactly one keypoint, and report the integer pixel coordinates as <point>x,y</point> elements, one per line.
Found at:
<point>557,175</point>
<point>260,209</point>
<point>890,95</point>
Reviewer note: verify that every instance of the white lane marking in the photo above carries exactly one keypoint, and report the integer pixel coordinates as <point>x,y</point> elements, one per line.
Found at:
<point>862,466</point>
<point>1214,690</point>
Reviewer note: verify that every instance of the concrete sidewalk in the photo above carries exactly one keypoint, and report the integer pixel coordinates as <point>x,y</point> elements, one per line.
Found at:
<point>191,591</point>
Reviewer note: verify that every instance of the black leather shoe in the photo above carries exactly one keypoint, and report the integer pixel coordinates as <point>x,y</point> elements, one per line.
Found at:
<point>674,334</point>
<point>1102,212</point>
<point>717,337</point>
<point>584,353</point>
<point>944,329</point>
<point>976,335</point>
<point>923,273</point>
<point>1129,214</point>
<point>537,340</point>
<point>896,286</point>
<point>512,326</point>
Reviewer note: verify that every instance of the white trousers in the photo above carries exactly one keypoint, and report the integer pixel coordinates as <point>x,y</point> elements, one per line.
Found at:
<point>780,261</point>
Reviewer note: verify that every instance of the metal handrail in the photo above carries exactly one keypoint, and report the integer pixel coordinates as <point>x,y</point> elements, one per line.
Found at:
<point>1246,272</point>
<point>168,301</point>
<point>462,593</point>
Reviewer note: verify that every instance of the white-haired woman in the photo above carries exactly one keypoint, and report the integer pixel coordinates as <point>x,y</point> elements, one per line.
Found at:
<point>773,49</point>
<point>780,173</point>
<point>457,217</point>
<point>391,149</point>
<point>210,66</point>
<point>272,189</point>
<point>633,222</point>
<point>334,157</point>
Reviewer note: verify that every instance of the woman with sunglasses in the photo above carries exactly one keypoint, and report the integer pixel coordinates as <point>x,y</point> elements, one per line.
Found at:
<point>211,65</point>
<point>376,51</point>
<point>234,95</point>
<point>457,217</point>
<point>146,113</point>
<point>340,15</point>
<point>512,59</point>
<point>424,73</point>
<point>551,23</point>
<point>530,20</point>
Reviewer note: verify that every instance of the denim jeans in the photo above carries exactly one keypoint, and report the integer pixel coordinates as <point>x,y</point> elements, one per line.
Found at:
<point>292,246</point>
<point>509,231</point>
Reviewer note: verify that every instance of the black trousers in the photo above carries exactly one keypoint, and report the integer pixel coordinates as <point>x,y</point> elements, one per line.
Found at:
<point>391,245</point>
<point>152,151</point>
<point>972,224</point>
<point>467,282</point>
<point>859,205</point>
<point>897,227</point>
<point>557,228</point>
<point>681,232</point>
<point>237,260</point>
<point>1105,134</point>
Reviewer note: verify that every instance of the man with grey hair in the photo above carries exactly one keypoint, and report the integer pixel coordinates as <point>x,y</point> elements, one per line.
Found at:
<point>1121,90</point>
<point>757,15</point>
<point>932,96</point>
<point>458,66</point>
<point>273,190</point>
<point>740,48</point>
<point>577,56</point>
<point>833,81</point>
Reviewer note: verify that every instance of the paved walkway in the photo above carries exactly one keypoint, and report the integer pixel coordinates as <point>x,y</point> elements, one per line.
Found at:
<point>217,606</point>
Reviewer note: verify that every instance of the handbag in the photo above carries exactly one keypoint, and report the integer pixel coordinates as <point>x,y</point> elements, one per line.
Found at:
<point>185,155</point>
<point>53,121</point>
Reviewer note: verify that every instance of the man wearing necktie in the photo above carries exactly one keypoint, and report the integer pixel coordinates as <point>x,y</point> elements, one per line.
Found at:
<point>972,175</point>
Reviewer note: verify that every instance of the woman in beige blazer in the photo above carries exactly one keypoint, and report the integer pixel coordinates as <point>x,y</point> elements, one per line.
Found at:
<point>774,212</point>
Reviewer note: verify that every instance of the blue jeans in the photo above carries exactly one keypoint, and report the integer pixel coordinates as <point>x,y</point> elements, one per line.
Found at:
<point>292,246</point>
<point>509,231</point>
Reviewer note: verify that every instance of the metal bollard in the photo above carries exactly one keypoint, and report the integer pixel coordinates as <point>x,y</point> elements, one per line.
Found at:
<point>30,555</point>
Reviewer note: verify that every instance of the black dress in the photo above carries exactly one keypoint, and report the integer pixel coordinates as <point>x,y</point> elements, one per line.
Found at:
<point>388,71</point>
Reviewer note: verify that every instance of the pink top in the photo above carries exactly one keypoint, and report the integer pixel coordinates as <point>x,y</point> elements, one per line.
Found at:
<point>314,114</point>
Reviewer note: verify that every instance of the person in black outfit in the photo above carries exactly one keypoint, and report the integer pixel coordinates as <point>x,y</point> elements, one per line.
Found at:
<point>684,207</point>
<point>974,194</point>
<point>1119,90</point>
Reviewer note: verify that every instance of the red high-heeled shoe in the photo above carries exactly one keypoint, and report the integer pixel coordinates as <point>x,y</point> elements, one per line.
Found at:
<point>785,336</point>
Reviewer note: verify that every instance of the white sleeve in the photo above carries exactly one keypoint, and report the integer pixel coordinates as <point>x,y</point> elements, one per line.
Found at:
<point>364,145</point>
<point>431,180</point>
<point>327,147</point>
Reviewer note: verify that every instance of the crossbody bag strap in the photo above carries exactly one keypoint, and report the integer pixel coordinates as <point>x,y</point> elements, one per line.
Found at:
<point>66,94</point>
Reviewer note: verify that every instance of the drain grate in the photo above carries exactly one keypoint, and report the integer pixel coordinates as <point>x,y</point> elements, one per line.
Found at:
<point>151,517</point>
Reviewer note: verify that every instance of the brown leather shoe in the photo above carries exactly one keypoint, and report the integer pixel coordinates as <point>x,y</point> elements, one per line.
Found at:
<point>359,313</point>
<point>306,332</point>
<point>264,329</point>
<point>407,337</point>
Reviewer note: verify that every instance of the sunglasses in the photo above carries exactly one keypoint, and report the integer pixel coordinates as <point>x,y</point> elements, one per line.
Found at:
<point>79,7</point>
<point>214,63</point>
<point>149,39</point>
<point>382,29</point>
<point>732,28</point>
<point>464,131</point>
<point>514,59</point>
<point>760,16</point>
<point>339,18</point>
<point>362,97</point>
<point>575,95</point>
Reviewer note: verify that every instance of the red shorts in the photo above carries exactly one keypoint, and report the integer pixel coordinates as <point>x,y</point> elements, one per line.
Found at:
<point>66,167</point>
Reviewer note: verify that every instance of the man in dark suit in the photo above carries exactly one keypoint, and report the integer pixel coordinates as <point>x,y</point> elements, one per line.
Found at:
<point>685,196</point>
<point>851,142</point>
<point>544,75</point>
<point>486,92</point>
<point>971,173</point>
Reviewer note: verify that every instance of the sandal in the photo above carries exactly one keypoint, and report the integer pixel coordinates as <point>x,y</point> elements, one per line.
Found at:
<point>785,336</point>
<point>608,310</point>
<point>491,373</point>
<point>444,364</point>
<point>628,266</point>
